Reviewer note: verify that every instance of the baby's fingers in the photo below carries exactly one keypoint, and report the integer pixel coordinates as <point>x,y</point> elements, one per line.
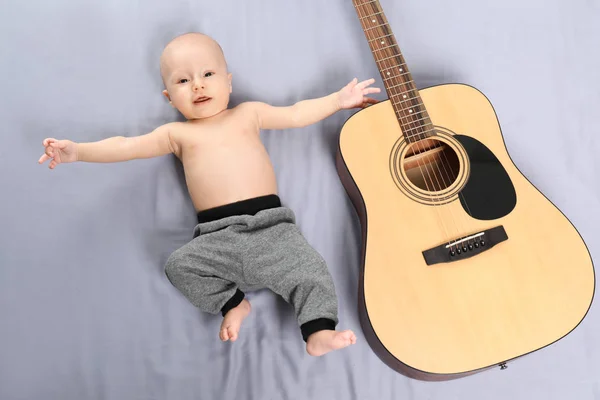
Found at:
<point>47,141</point>
<point>352,84</point>
<point>49,151</point>
<point>366,83</point>
<point>43,158</point>
<point>371,90</point>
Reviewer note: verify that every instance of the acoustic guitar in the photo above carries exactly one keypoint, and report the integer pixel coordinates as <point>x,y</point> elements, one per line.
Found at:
<point>465,265</point>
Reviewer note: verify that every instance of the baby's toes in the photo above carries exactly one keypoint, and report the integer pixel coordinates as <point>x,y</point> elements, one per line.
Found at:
<point>347,335</point>
<point>232,334</point>
<point>224,335</point>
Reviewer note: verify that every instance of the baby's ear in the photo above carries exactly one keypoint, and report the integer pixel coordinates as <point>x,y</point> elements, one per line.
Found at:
<point>167,96</point>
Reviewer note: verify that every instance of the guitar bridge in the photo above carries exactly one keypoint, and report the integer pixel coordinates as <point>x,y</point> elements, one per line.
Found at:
<point>466,247</point>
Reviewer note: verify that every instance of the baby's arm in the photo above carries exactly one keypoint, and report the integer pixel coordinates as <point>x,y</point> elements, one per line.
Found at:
<point>114,149</point>
<point>307,112</point>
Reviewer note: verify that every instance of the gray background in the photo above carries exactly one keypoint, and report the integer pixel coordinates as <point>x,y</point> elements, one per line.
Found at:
<point>86,311</point>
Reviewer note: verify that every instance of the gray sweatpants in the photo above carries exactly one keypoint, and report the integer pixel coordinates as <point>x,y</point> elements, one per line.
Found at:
<point>238,253</point>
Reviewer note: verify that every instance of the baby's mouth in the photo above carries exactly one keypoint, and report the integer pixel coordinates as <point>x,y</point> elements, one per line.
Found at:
<point>202,99</point>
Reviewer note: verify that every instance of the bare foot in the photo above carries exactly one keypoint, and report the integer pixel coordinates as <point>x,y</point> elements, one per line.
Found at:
<point>233,320</point>
<point>324,341</point>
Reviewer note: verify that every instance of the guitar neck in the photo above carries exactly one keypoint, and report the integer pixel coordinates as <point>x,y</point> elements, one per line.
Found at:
<point>399,85</point>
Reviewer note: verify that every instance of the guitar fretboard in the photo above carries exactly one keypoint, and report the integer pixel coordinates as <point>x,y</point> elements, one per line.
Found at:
<point>399,85</point>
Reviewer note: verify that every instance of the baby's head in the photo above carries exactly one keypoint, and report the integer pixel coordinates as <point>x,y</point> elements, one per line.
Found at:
<point>194,72</point>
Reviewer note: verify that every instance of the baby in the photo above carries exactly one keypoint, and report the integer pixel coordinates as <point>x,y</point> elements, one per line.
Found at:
<point>244,238</point>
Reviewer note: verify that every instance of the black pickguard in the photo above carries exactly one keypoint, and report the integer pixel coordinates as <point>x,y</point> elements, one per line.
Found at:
<point>489,192</point>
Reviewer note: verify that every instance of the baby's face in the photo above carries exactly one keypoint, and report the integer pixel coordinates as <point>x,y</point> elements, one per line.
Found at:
<point>195,75</point>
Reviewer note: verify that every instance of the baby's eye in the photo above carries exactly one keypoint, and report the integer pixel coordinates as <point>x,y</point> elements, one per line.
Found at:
<point>209,74</point>
<point>182,80</point>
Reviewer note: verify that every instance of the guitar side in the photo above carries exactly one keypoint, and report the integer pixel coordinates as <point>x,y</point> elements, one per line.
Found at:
<point>434,322</point>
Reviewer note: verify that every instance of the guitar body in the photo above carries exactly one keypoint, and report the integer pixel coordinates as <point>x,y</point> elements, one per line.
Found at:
<point>527,287</point>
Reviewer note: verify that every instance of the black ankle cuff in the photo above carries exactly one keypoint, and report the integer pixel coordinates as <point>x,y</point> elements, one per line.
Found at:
<point>310,327</point>
<point>233,302</point>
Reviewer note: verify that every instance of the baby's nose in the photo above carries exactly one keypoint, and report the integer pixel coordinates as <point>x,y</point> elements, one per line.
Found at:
<point>198,85</point>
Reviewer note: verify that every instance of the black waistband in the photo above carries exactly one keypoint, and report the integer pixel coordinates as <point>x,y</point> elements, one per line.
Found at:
<point>243,207</point>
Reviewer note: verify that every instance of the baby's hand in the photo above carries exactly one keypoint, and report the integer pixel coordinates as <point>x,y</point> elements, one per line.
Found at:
<point>60,151</point>
<point>354,94</point>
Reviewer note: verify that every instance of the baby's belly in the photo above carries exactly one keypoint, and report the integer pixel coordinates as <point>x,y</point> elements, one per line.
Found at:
<point>225,183</point>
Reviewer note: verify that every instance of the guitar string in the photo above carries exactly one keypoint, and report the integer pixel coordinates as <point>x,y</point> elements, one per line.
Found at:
<point>432,199</point>
<point>384,22</point>
<point>440,219</point>
<point>470,241</point>
<point>446,176</point>
<point>447,180</point>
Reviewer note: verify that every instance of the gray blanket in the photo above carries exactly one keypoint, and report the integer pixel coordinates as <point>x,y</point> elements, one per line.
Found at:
<point>86,311</point>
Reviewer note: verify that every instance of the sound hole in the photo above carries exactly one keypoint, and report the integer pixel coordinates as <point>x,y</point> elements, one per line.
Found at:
<point>431,165</point>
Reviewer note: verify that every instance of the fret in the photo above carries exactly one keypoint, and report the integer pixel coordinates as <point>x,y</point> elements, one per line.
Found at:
<point>417,138</point>
<point>399,66</point>
<point>379,38</point>
<point>425,128</point>
<point>398,78</point>
<point>371,15</point>
<point>387,47</point>
<point>408,130</point>
<point>390,76</point>
<point>365,3</point>
<point>413,120</point>
<point>417,109</point>
<point>387,58</point>
<point>409,82</point>
<point>382,51</point>
<point>403,91</point>
<point>411,110</point>
<point>413,138</point>
<point>391,87</point>
<point>412,107</point>
<point>393,67</point>
<point>416,131</point>
<point>374,27</point>
<point>410,86</point>
<point>406,98</point>
<point>406,110</point>
<point>422,133</point>
<point>405,116</point>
